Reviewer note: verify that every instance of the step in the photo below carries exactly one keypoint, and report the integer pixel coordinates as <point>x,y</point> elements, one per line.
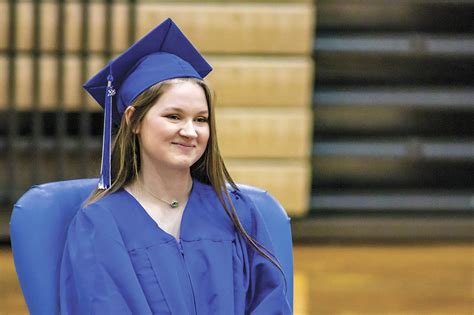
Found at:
<point>214,27</point>
<point>411,97</point>
<point>242,133</point>
<point>384,229</point>
<point>412,149</point>
<point>409,44</point>
<point>359,121</point>
<point>288,180</point>
<point>361,69</point>
<point>364,201</point>
<point>237,80</point>
<point>408,15</point>
<point>363,172</point>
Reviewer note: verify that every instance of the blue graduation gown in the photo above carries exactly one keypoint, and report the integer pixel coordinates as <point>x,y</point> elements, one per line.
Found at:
<point>118,261</point>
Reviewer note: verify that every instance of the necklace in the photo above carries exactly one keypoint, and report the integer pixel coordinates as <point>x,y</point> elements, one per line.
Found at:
<point>173,204</point>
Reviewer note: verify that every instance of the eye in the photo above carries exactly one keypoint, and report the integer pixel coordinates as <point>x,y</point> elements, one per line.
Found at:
<point>202,119</point>
<point>173,117</point>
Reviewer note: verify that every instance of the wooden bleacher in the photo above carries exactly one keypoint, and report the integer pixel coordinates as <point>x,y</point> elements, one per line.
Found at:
<point>263,75</point>
<point>393,153</point>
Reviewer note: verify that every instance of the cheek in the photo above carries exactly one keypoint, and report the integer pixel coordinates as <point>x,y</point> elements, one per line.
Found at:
<point>204,134</point>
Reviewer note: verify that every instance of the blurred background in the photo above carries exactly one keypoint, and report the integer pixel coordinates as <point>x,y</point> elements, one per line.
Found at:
<point>357,115</point>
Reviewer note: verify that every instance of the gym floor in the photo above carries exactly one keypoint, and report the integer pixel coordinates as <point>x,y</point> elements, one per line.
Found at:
<point>351,279</point>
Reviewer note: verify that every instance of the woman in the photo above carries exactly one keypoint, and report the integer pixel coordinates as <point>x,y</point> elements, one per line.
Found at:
<point>163,234</point>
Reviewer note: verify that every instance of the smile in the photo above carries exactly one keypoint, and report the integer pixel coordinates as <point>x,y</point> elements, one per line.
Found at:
<point>183,145</point>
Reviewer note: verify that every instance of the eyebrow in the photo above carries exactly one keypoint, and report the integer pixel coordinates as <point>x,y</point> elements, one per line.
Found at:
<point>177,109</point>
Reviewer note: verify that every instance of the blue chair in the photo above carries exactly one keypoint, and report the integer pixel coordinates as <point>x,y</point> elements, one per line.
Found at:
<point>38,229</point>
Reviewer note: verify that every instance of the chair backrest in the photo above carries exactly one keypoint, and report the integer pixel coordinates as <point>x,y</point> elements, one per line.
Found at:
<point>38,229</point>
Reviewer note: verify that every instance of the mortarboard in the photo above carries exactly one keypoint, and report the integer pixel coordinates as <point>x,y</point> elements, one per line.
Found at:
<point>164,53</point>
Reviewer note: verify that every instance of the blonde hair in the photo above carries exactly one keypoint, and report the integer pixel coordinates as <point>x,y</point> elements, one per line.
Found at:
<point>209,169</point>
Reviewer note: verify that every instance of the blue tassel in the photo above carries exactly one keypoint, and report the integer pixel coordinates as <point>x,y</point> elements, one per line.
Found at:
<point>105,172</point>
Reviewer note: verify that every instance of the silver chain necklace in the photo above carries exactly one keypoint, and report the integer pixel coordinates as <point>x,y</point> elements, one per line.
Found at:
<point>173,204</point>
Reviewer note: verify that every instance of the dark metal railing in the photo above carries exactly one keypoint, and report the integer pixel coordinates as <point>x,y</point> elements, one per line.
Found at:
<point>33,138</point>
<point>10,180</point>
<point>393,108</point>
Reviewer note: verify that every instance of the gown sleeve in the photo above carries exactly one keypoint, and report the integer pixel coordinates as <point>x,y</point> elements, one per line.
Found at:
<point>266,287</point>
<point>97,276</point>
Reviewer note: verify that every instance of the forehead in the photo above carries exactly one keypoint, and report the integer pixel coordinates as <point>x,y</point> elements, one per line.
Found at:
<point>184,95</point>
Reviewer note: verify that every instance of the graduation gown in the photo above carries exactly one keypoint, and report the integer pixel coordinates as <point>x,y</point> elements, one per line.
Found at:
<point>117,260</point>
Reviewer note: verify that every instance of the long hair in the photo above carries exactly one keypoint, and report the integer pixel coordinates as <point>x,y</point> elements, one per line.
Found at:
<point>209,169</point>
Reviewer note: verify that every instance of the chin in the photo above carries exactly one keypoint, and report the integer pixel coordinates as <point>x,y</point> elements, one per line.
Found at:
<point>182,164</point>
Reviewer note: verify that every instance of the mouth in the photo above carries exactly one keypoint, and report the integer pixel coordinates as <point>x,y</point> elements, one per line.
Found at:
<point>184,145</point>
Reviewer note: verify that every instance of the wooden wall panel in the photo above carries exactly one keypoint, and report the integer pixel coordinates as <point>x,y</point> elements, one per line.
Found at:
<point>214,28</point>
<point>287,180</point>
<point>48,82</point>
<point>24,82</point>
<point>238,81</point>
<point>49,26</point>
<point>264,132</point>
<point>121,27</point>
<point>96,23</point>
<point>4,22</point>
<point>263,77</point>
<point>48,67</point>
<point>237,28</point>
<point>274,2</point>
<point>72,82</point>
<point>23,26</point>
<point>73,28</point>
<point>3,82</point>
<point>262,81</point>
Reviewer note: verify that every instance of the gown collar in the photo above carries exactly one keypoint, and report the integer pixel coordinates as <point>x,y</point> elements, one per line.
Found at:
<point>203,218</point>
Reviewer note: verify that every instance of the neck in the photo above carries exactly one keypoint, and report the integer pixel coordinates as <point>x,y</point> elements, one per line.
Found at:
<point>167,184</point>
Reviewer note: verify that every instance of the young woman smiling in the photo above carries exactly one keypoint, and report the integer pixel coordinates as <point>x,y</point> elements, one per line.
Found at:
<point>167,231</point>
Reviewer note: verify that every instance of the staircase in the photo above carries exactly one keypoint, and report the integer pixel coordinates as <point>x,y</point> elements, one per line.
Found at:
<point>393,155</point>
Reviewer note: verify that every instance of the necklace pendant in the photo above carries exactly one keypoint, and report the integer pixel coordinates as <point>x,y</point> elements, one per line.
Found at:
<point>174,204</point>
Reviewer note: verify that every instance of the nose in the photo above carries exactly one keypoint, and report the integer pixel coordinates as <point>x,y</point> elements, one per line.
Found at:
<point>188,130</point>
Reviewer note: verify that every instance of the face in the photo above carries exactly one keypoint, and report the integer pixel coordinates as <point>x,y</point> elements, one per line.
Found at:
<point>175,131</point>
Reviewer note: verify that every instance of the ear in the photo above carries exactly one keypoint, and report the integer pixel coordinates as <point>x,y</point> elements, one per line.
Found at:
<point>129,112</point>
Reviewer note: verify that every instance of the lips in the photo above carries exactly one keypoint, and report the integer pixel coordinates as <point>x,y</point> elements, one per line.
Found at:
<point>185,145</point>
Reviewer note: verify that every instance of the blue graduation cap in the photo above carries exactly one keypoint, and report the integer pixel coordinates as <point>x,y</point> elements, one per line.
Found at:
<point>164,53</point>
